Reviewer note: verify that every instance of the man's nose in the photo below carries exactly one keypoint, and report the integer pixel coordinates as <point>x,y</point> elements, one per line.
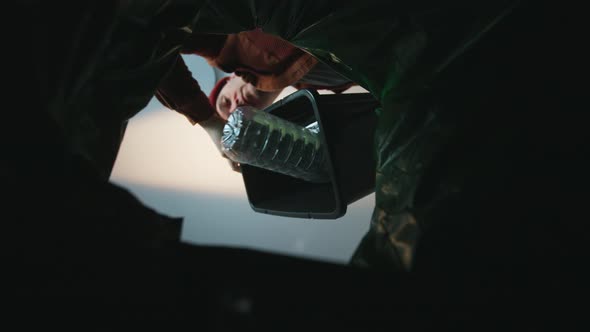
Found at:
<point>235,103</point>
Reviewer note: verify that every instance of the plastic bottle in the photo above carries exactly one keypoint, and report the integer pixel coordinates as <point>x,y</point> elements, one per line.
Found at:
<point>261,139</point>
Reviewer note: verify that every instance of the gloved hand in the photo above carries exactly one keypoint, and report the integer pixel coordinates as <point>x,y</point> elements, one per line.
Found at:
<point>214,128</point>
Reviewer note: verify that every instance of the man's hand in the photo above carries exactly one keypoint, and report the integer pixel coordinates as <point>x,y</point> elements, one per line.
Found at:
<point>214,128</point>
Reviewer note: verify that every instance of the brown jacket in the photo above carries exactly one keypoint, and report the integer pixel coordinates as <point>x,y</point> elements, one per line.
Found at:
<point>263,60</point>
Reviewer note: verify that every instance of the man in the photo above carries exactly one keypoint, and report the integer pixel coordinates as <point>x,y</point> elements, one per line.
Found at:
<point>261,64</point>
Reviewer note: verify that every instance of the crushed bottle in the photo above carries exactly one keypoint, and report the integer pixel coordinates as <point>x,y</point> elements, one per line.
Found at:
<point>258,138</point>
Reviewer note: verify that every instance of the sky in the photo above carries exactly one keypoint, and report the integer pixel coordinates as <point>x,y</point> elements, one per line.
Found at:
<point>172,167</point>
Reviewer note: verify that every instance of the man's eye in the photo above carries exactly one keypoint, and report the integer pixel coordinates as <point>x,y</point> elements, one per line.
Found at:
<point>223,103</point>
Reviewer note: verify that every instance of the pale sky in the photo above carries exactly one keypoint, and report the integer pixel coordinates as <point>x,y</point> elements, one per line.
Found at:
<point>172,167</point>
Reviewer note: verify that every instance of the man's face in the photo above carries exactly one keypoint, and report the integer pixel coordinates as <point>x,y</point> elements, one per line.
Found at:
<point>236,92</point>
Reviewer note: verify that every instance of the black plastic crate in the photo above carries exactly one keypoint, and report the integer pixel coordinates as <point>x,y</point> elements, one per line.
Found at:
<point>347,125</point>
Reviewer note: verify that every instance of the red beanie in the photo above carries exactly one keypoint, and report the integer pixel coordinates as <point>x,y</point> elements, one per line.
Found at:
<point>216,89</point>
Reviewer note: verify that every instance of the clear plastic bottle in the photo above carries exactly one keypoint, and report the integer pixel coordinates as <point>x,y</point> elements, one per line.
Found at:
<point>261,139</point>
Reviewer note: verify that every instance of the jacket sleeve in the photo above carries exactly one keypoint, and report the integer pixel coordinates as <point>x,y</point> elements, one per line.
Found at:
<point>179,91</point>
